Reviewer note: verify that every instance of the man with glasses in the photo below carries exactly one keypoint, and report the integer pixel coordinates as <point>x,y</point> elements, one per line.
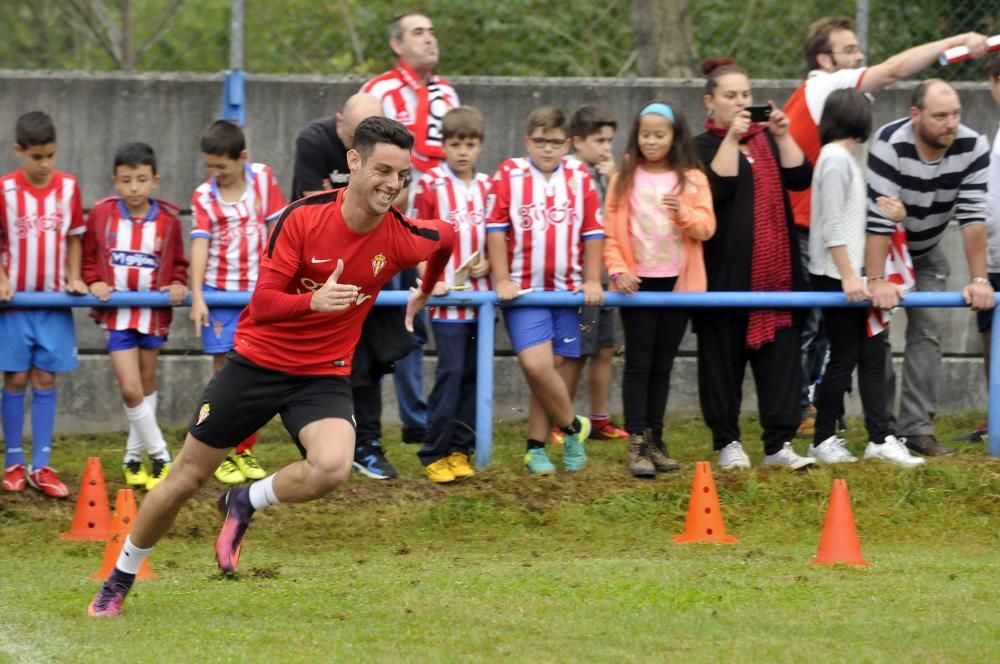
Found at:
<point>836,61</point>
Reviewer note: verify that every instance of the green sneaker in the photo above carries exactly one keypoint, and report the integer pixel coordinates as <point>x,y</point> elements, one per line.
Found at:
<point>575,455</point>
<point>537,462</point>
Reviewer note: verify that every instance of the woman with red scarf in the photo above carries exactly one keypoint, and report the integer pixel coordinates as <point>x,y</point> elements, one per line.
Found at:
<point>750,167</point>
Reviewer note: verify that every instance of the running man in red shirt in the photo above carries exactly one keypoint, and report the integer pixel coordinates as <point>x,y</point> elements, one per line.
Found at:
<point>326,260</point>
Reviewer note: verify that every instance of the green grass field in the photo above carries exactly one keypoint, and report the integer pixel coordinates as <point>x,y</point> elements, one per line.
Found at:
<point>505,566</point>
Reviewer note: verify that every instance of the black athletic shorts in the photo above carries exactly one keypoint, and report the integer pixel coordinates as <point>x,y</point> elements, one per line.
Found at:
<point>597,325</point>
<point>242,397</point>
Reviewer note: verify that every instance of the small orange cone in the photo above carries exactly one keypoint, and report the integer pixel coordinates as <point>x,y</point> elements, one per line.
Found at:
<point>92,519</point>
<point>839,543</point>
<point>121,526</point>
<point>704,518</point>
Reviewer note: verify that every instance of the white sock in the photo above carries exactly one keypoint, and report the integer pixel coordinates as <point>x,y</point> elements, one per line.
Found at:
<point>262,493</point>
<point>133,446</point>
<point>131,556</point>
<point>148,430</point>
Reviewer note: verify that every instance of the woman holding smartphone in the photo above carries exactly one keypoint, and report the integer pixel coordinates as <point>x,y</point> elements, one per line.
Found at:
<point>750,167</point>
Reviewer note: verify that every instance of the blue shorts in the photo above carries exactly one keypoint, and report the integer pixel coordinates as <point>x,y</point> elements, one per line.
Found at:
<point>129,339</point>
<point>42,338</point>
<point>217,336</point>
<point>531,326</point>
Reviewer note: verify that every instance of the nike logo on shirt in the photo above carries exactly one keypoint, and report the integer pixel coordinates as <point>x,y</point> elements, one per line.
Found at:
<point>321,260</point>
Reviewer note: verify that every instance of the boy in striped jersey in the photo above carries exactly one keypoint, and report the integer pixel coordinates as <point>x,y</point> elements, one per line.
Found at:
<point>545,234</point>
<point>454,192</point>
<point>231,211</point>
<point>41,221</point>
<point>134,243</point>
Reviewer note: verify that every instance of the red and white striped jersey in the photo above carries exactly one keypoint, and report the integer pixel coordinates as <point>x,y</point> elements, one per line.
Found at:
<point>443,195</point>
<point>546,221</point>
<point>236,232</point>
<point>134,247</point>
<point>418,107</point>
<point>34,225</point>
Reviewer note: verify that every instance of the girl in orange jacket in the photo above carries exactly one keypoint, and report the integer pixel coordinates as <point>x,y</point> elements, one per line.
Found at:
<point>658,212</point>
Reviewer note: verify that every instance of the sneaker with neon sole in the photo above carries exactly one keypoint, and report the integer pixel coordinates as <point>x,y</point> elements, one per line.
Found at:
<point>135,474</point>
<point>536,460</point>
<point>574,453</point>
<point>158,473</point>
<point>236,510</point>
<point>47,481</point>
<point>228,472</point>
<point>249,466</point>
<point>605,429</point>
<point>110,598</point>
<point>15,478</point>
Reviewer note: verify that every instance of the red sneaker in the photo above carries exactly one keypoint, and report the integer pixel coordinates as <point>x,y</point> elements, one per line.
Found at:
<point>15,478</point>
<point>606,430</point>
<point>47,481</point>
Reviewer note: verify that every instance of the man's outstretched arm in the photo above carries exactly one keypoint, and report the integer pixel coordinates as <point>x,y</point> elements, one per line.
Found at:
<point>913,60</point>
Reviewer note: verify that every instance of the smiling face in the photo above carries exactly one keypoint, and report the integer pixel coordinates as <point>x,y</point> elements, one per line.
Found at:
<point>655,138</point>
<point>135,184</point>
<point>732,94</point>
<point>226,170</point>
<point>37,162</point>
<point>378,177</point>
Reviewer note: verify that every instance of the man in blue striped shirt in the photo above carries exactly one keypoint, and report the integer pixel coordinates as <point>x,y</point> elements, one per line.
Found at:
<point>929,168</point>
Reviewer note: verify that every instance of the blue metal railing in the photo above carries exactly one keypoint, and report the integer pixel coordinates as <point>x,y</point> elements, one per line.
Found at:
<point>487,303</point>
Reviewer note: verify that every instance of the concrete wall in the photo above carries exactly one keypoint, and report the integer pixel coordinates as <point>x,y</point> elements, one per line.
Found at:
<point>94,113</point>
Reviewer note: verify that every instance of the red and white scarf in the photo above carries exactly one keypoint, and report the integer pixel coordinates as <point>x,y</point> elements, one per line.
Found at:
<point>898,270</point>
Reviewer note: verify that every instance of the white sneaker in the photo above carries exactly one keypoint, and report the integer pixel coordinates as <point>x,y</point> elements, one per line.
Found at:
<point>733,456</point>
<point>893,450</point>
<point>786,456</point>
<point>832,450</point>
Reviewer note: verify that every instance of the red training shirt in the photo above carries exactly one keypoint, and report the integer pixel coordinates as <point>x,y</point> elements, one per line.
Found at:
<point>278,330</point>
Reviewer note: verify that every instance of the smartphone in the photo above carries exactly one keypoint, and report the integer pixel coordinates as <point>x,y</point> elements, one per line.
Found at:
<point>759,113</point>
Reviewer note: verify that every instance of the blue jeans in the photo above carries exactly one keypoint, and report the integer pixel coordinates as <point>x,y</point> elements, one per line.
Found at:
<point>451,417</point>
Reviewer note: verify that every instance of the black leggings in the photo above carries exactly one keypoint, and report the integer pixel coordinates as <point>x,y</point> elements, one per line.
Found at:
<point>652,337</point>
<point>850,346</point>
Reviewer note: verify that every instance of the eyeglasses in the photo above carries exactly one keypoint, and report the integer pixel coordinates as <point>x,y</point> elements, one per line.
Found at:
<point>554,143</point>
<point>849,50</point>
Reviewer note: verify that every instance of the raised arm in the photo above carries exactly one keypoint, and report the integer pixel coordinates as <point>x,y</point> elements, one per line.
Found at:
<point>913,60</point>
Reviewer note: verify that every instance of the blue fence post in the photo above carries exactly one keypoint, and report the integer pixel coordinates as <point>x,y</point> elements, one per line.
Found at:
<point>993,415</point>
<point>484,385</point>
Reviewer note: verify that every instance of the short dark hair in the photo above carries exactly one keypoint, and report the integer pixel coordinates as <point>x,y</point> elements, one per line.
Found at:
<point>34,128</point>
<point>546,118</point>
<point>135,154</point>
<point>818,37</point>
<point>223,138</point>
<point>846,114</point>
<point>920,92</point>
<point>463,122</point>
<point>588,120</point>
<point>993,68</point>
<point>396,27</point>
<point>376,129</point>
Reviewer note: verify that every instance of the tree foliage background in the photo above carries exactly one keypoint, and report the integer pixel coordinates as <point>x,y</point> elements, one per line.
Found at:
<point>511,38</point>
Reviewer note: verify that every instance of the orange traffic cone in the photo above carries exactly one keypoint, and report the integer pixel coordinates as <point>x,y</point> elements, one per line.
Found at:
<point>92,519</point>
<point>121,525</point>
<point>704,518</point>
<point>839,543</point>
